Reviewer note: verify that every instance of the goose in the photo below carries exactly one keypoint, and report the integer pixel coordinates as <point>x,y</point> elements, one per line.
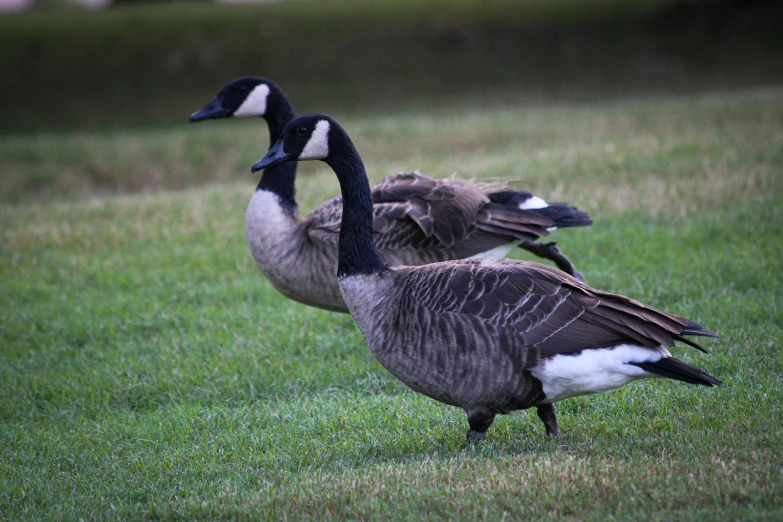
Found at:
<point>490,336</point>
<point>417,219</point>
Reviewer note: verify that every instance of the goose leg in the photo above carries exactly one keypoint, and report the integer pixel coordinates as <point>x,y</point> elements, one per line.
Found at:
<point>479,421</point>
<point>551,252</point>
<point>546,412</point>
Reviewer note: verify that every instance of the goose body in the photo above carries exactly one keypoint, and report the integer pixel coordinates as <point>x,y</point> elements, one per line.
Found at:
<point>416,219</point>
<point>487,335</point>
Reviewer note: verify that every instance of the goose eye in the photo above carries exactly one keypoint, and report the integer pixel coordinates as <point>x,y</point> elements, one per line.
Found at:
<point>301,131</point>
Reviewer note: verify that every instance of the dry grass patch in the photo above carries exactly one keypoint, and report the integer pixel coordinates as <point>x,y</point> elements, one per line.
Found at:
<point>677,155</point>
<point>525,486</point>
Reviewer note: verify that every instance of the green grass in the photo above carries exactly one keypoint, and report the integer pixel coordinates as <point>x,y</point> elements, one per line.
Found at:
<point>150,372</point>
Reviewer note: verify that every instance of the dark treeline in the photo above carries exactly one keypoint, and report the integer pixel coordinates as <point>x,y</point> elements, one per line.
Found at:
<point>153,64</point>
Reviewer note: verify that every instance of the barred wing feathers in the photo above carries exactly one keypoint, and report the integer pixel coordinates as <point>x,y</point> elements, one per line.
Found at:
<point>532,308</point>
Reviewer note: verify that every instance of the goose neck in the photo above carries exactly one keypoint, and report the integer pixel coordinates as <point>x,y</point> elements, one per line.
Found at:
<point>280,179</point>
<point>277,119</point>
<point>357,253</point>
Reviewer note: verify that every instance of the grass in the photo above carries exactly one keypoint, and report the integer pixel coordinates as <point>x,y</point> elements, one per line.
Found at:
<point>150,372</point>
<point>631,144</point>
<point>142,65</point>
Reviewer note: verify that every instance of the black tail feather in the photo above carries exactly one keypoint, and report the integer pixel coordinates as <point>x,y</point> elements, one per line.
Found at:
<point>672,368</point>
<point>510,197</point>
<point>690,343</point>
<point>565,216</point>
<point>693,328</point>
<point>561,214</point>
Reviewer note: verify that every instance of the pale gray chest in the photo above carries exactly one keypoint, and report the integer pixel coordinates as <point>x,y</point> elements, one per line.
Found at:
<point>368,298</point>
<point>404,347</point>
<point>295,266</point>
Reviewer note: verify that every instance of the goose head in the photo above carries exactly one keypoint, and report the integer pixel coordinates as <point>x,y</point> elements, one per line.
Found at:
<point>308,137</point>
<point>246,97</point>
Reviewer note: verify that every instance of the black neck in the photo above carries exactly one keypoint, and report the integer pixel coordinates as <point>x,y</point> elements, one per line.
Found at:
<point>280,179</point>
<point>357,253</point>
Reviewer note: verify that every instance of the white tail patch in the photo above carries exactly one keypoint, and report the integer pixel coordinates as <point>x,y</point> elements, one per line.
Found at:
<point>594,370</point>
<point>532,203</point>
<point>317,146</point>
<point>255,103</point>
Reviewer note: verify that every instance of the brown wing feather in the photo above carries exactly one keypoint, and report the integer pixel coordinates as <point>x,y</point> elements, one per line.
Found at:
<point>323,223</point>
<point>445,209</point>
<point>412,211</point>
<point>516,224</point>
<point>549,311</point>
<point>418,219</point>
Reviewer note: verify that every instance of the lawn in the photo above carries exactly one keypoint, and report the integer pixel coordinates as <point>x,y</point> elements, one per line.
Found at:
<point>149,371</point>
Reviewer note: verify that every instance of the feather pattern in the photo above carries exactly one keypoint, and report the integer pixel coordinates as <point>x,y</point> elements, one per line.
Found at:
<point>490,335</point>
<point>474,318</point>
<point>416,219</point>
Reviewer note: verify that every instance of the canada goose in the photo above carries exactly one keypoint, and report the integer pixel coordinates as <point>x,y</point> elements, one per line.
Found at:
<point>417,220</point>
<point>488,335</point>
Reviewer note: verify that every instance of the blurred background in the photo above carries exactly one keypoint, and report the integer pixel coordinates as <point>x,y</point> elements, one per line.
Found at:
<point>98,66</point>
<point>101,63</point>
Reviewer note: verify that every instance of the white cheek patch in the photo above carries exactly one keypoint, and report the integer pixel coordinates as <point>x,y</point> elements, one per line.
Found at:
<point>317,146</point>
<point>255,103</point>
<point>532,203</point>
